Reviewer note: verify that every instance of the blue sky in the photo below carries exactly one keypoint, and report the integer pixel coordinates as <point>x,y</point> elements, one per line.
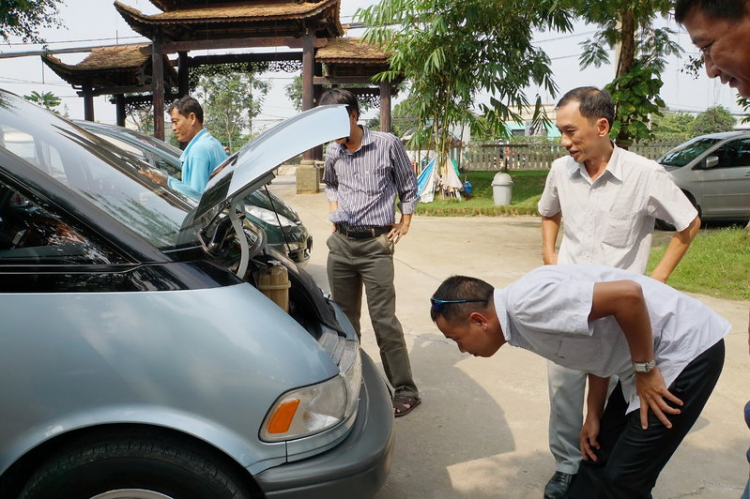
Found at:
<point>95,22</point>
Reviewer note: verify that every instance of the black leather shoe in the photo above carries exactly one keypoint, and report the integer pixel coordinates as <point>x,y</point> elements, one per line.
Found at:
<point>558,486</point>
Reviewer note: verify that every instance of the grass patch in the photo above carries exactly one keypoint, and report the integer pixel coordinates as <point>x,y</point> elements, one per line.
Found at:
<point>527,189</point>
<point>717,264</point>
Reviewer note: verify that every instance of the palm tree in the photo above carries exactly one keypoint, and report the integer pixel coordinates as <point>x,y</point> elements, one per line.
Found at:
<point>47,100</point>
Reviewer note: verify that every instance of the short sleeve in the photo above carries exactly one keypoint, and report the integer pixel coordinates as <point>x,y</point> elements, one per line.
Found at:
<point>549,203</point>
<point>667,202</point>
<point>549,300</point>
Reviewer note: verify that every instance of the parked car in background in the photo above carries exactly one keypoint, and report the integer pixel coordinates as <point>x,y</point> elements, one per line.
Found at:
<point>714,173</point>
<point>281,222</point>
<point>152,346</point>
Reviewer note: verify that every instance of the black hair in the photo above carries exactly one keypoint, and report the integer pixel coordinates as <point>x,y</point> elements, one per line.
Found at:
<point>459,287</point>
<point>186,105</point>
<point>593,103</point>
<point>341,96</point>
<point>729,10</point>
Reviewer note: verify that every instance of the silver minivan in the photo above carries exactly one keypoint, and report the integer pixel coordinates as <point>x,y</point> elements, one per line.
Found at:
<point>153,347</point>
<point>714,173</point>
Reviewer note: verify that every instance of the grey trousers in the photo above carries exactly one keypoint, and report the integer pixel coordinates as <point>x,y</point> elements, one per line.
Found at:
<point>354,263</point>
<point>566,398</point>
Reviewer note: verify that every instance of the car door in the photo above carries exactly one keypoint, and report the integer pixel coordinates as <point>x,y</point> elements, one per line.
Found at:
<point>726,186</point>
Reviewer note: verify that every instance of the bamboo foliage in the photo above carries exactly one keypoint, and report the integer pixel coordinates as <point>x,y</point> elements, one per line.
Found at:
<point>451,51</point>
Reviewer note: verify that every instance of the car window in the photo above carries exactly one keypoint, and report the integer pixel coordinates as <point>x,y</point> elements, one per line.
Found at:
<point>685,153</point>
<point>138,153</point>
<point>116,182</point>
<point>38,154</point>
<point>734,154</point>
<point>32,233</point>
<point>153,142</point>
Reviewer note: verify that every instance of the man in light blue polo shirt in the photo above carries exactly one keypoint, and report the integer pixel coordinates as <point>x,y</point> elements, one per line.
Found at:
<point>666,348</point>
<point>203,152</point>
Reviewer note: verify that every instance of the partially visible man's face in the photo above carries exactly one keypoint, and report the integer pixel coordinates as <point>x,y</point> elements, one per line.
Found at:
<point>183,126</point>
<point>725,46</point>
<point>472,337</point>
<point>352,126</point>
<point>583,137</point>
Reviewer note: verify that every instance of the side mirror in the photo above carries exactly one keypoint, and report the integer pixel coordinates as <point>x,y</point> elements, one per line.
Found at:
<point>712,161</point>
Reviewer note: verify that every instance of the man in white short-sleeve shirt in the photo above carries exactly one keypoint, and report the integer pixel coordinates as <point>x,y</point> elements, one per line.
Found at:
<point>666,348</point>
<point>609,199</point>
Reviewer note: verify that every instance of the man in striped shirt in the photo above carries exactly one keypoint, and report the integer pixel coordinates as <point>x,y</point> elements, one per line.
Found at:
<point>363,174</point>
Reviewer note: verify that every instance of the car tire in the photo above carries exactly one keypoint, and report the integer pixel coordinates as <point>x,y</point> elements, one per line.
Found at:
<point>662,225</point>
<point>666,226</point>
<point>134,468</point>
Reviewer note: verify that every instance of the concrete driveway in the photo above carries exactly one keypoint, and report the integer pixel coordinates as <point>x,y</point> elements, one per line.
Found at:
<point>481,431</point>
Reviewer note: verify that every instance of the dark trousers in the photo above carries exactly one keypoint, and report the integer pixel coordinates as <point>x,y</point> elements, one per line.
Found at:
<point>354,263</point>
<point>630,458</point>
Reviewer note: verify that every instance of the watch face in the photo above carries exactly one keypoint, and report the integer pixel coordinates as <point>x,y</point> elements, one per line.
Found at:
<point>644,367</point>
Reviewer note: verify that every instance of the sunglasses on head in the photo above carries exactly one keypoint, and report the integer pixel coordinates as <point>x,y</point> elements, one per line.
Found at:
<point>439,305</point>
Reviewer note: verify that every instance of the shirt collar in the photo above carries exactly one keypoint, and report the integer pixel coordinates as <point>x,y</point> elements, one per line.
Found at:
<point>193,141</point>
<point>366,140</point>
<point>614,165</point>
<point>500,298</point>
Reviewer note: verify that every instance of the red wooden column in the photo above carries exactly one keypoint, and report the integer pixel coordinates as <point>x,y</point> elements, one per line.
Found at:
<point>183,75</point>
<point>88,102</point>
<point>308,89</point>
<point>157,86</point>
<point>385,107</point>
<point>120,109</point>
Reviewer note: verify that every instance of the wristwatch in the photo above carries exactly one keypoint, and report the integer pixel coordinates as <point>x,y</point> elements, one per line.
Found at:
<point>644,367</point>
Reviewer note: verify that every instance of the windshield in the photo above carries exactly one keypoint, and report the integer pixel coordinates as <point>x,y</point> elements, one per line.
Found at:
<point>108,177</point>
<point>154,142</point>
<point>687,152</point>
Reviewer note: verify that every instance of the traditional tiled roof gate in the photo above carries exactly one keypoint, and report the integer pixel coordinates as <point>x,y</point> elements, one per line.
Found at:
<point>327,57</point>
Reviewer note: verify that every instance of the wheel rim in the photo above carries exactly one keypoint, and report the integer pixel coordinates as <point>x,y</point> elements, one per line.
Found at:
<point>131,494</point>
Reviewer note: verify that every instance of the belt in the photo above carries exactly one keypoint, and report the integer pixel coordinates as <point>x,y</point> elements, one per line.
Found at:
<point>363,232</point>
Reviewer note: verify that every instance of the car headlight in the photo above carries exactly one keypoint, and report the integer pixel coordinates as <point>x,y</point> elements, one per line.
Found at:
<point>267,216</point>
<point>312,409</point>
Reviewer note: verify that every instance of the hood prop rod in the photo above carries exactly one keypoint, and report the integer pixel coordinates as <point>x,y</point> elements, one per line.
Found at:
<point>244,247</point>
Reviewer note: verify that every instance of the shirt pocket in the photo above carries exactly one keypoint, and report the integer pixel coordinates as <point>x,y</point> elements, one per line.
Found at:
<point>582,353</point>
<point>619,228</point>
<point>377,176</point>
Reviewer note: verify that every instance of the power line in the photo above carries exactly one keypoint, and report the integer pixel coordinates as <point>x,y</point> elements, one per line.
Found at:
<point>74,41</point>
<point>565,37</point>
<point>16,81</point>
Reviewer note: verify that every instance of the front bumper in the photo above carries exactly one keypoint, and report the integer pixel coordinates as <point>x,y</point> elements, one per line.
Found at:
<point>357,467</point>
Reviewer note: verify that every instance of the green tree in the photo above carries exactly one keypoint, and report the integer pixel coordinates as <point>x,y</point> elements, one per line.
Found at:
<point>142,115</point>
<point>713,120</point>
<point>744,102</point>
<point>636,98</point>
<point>450,51</point>
<point>47,100</point>
<point>672,125</point>
<point>642,49</point>
<point>230,102</point>
<point>23,18</point>
<point>294,92</point>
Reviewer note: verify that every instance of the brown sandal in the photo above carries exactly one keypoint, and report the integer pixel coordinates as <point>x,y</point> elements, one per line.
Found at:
<point>403,405</point>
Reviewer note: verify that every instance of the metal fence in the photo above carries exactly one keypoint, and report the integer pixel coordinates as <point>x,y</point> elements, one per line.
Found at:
<point>533,156</point>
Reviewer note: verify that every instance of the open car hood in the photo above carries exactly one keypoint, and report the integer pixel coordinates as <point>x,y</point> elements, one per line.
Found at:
<point>252,167</point>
